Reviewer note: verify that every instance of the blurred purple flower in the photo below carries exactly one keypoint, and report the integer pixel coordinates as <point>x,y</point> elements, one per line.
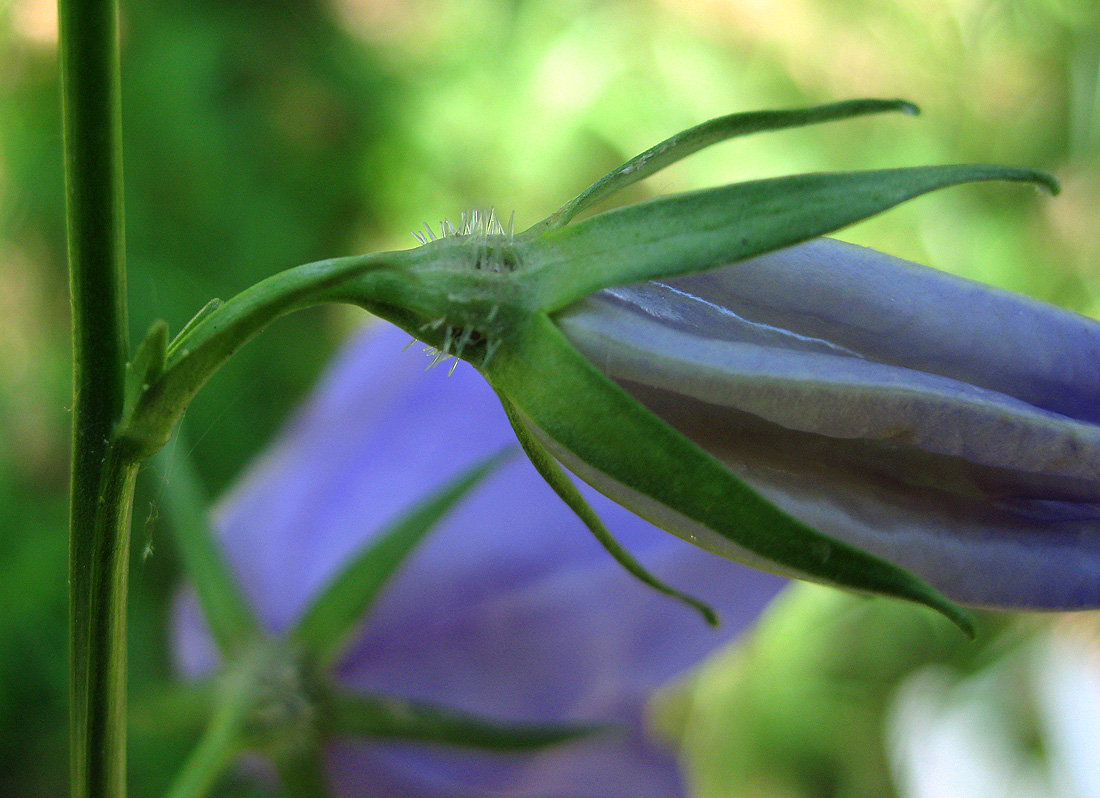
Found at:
<point>510,609</point>
<point>944,425</point>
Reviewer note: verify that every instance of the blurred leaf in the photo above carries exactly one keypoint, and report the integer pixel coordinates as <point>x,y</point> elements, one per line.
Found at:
<point>360,715</point>
<point>230,617</point>
<point>339,608</point>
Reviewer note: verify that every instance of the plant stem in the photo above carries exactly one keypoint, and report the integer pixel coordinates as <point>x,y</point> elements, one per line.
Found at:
<point>102,477</point>
<point>100,738</point>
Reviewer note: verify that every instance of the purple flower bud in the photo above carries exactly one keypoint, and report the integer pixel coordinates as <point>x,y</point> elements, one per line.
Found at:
<point>946,426</point>
<point>510,609</point>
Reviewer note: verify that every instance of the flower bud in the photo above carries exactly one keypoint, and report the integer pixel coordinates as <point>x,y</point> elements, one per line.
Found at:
<point>945,426</point>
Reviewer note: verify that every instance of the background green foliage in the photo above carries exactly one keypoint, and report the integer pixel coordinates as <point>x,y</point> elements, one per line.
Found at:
<point>263,134</point>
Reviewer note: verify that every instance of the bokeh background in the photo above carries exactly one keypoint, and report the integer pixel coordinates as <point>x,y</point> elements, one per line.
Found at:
<point>260,134</point>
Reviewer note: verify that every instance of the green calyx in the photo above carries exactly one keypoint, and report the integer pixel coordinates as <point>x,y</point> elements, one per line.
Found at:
<point>482,293</point>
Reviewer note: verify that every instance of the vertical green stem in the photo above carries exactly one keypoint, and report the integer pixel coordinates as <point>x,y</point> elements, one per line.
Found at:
<point>98,725</point>
<point>102,477</point>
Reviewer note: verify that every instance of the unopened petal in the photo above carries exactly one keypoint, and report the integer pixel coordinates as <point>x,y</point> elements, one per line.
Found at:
<point>842,385</point>
<point>972,532</point>
<point>849,299</point>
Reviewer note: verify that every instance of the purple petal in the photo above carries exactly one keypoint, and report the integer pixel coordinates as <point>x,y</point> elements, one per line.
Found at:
<point>848,299</point>
<point>510,609</point>
<point>841,384</point>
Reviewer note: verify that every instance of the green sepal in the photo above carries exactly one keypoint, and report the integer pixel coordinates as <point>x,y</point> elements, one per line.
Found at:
<point>701,136</point>
<point>353,714</point>
<point>147,364</point>
<point>610,440</point>
<point>337,611</point>
<point>556,478</point>
<point>700,230</point>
